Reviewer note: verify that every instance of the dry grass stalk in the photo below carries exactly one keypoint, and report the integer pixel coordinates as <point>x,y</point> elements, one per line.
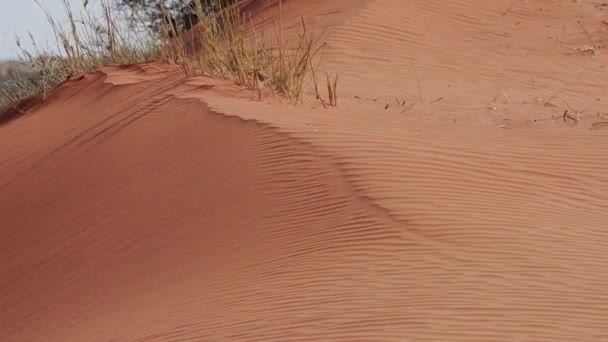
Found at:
<point>332,91</point>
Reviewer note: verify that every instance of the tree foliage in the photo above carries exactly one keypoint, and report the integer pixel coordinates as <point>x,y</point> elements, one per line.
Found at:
<point>180,14</point>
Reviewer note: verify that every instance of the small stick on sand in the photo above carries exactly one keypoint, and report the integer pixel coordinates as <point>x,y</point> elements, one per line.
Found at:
<point>568,116</point>
<point>505,95</point>
<point>418,80</point>
<point>439,99</point>
<point>409,107</point>
<point>586,32</point>
<point>500,91</point>
<point>548,102</point>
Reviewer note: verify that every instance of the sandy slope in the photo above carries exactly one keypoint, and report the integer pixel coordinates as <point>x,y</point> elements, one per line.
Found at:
<point>137,206</point>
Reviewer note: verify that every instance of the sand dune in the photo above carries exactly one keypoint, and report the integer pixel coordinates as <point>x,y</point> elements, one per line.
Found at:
<point>140,206</point>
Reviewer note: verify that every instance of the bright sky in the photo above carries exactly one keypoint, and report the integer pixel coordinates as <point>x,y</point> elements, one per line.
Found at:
<point>17,17</point>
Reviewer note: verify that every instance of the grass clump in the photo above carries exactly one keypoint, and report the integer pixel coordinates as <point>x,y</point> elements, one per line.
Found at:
<point>228,45</point>
<point>82,44</point>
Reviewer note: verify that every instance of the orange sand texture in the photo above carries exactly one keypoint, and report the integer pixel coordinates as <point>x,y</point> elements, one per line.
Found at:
<point>140,206</point>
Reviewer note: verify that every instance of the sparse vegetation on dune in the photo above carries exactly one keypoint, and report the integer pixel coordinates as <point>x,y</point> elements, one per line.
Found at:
<point>223,43</point>
<point>10,74</point>
<point>10,68</point>
<point>231,48</point>
<point>83,44</point>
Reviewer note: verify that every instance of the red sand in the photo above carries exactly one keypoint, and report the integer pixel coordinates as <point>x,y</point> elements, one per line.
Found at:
<point>138,206</point>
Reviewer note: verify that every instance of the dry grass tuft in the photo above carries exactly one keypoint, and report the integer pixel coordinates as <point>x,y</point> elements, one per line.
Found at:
<point>332,91</point>
<point>82,45</point>
<point>230,47</point>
